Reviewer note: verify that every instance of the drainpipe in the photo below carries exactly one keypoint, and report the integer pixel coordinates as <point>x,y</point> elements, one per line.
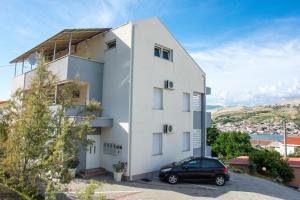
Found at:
<point>130,105</point>
<point>203,120</point>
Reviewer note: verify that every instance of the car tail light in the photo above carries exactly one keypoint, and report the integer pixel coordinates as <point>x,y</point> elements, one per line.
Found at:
<point>226,170</point>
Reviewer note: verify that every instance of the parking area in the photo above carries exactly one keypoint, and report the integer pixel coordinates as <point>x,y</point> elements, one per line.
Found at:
<point>241,186</point>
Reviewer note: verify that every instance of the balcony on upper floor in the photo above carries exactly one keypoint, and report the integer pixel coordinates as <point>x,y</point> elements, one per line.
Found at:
<point>67,68</point>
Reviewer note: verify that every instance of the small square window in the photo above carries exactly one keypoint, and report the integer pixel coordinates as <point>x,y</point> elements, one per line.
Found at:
<point>111,44</point>
<point>76,94</point>
<point>166,54</point>
<point>157,51</point>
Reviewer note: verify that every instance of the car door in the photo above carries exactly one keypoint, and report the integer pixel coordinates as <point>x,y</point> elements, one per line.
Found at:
<point>208,170</point>
<point>190,170</point>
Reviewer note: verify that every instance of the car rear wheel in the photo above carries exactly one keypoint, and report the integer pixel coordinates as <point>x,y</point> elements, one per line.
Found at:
<point>173,179</point>
<point>220,180</point>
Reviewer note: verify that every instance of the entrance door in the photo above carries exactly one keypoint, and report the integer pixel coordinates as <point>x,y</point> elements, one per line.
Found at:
<point>93,152</point>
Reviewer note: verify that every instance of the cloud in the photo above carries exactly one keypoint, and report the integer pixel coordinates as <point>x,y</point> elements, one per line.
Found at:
<point>107,13</point>
<point>261,68</point>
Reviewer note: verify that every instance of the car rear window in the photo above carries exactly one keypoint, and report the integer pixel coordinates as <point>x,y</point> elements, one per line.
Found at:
<point>211,164</point>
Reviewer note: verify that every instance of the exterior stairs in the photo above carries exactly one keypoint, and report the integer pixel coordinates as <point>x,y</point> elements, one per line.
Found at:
<point>88,173</point>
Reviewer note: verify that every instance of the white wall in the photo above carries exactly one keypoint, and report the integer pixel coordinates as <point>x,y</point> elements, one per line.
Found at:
<point>150,71</point>
<point>115,99</point>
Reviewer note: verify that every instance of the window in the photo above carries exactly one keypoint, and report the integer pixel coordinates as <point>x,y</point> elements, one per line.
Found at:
<point>157,99</point>
<point>186,102</point>
<point>186,141</point>
<point>76,94</point>
<point>163,52</point>
<point>193,164</point>
<point>166,54</point>
<point>111,44</point>
<point>210,164</point>
<point>157,51</point>
<point>156,144</point>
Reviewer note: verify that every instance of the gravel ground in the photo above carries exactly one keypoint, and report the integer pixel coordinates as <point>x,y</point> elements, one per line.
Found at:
<point>241,186</point>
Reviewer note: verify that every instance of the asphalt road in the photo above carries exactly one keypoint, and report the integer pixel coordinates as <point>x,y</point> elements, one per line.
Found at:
<point>241,187</point>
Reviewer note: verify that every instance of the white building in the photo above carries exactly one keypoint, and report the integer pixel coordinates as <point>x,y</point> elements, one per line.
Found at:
<point>152,92</point>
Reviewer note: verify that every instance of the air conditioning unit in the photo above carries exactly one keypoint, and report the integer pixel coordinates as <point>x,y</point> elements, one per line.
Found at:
<point>168,128</point>
<point>169,85</point>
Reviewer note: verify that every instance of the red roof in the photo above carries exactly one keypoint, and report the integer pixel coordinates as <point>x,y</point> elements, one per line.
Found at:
<point>241,160</point>
<point>293,140</point>
<point>294,162</point>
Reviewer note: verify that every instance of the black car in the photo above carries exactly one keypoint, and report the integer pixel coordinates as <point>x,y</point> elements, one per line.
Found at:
<point>195,169</point>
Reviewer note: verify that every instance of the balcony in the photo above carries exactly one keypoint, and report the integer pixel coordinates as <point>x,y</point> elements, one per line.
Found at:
<point>75,111</point>
<point>67,68</point>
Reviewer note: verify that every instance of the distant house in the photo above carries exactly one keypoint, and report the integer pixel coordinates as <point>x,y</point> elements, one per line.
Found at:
<point>292,144</point>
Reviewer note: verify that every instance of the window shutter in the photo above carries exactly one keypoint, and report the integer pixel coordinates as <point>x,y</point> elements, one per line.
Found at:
<point>197,138</point>
<point>197,102</point>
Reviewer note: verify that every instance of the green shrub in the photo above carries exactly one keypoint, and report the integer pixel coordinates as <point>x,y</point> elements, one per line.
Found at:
<point>231,144</point>
<point>270,163</point>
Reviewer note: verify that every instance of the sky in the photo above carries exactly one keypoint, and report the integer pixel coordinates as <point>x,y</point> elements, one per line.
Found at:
<point>249,49</point>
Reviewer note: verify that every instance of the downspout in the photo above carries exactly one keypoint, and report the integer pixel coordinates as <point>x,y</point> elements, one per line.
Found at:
<point>203,120</point>
<point>130,104</point>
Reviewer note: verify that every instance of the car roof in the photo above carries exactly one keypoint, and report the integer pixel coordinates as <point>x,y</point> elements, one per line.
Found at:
<point>205,158</point>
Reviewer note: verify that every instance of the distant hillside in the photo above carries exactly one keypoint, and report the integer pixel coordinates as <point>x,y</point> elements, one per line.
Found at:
<point>290,110</point>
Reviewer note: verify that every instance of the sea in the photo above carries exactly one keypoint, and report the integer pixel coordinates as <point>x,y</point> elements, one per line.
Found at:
<point>266,137</point>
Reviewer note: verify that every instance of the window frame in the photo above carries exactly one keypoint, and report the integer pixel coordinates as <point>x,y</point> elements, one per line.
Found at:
<point>189,142</point>
<point>168,53</point>
<point>161,99</point>
<point>161,144</point>
<point>159,49</point>
<point>114,41</point>
<point>163,49</point>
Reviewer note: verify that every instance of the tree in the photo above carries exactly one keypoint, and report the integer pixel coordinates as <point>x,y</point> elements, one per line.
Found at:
<point>212,135</point>
<point>232,144</point>
<point>39,138</point>
<point>270,163</point>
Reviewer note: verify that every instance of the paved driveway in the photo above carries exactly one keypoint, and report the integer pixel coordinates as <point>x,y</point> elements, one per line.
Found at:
<point>241,187</point>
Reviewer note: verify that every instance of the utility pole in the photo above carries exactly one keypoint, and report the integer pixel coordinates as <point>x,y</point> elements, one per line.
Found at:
<point>284,138</point>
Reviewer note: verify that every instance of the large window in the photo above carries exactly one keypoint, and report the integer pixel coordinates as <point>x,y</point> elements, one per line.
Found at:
<point>186,141</point>
<point>156,144</point>
<point>157,99</point>
<point>186,102</point>
<point>163,52</point>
